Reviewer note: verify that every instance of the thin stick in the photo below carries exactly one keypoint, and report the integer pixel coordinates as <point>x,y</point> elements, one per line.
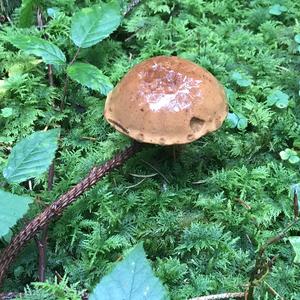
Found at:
<point>221,296</point>
<point>131,6</point>
<point>41,241</point>
<point>272,291</point>
<point>155,169</point>
<point>57,207</point>
<point>261,264</point>
<point>9,296</point>
<point>65,89</point>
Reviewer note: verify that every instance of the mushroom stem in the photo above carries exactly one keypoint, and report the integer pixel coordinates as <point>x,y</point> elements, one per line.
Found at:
<point>58,206</point>
<point>176,151</point>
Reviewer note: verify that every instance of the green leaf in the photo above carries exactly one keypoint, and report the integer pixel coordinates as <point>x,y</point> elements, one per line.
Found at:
<point>27,13</point>
<point>52,12</point>
<point>290,155</point>
<point>232,119</point>
<point>230,96</point>
<point>32,45</point>
<point>7,112</point>
<point>242,123</point>
<point>294,159</point>
<point>278,98</point>
<point>277,9</point>
<point>241,79</point>
<point>12,208</point>
<point>31,156</point>
<point>284,155</point>
<point>90,76</point>
<point>295,242</point>
<point>93,24</point>
<point>297,38</point>
<point>131,279</point>
<point>238,121</point>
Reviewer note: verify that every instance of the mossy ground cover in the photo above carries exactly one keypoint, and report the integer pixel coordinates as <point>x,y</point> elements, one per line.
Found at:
<point>203,215</point>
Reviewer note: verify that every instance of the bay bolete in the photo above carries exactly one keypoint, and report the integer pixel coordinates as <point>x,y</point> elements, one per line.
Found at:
<point>163,100</point>
<point>166,100</point>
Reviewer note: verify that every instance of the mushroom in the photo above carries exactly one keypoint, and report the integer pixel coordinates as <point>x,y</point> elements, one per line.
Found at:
<point>166,100</point>
<point>163,100</point>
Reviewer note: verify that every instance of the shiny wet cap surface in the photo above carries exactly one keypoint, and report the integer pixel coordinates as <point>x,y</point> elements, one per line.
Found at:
<point>166,100</point>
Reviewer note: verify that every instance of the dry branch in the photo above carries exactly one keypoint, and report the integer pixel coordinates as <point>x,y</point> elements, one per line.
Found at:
<point>57,207</point>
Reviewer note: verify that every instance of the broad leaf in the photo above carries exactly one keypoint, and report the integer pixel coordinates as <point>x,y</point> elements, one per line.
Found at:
<point>278,98</point>
<point>238,121</point>
<point>290,155</point>
<point>49,52</point>
<point>93,24</point>
<point>295,241</point>
<point>131,279</point>
<point>90,76</point>
<point>277,9</point>
<point>241,79</point>
<point>12,208</point>
<point>297,38</point>
<point>31,156</point>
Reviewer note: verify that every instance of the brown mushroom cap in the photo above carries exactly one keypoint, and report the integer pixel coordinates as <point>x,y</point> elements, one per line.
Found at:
<point>166,100</point>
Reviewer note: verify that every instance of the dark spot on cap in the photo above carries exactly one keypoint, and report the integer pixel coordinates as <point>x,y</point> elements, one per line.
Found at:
<point>190,137</point>
<point>196,124</point>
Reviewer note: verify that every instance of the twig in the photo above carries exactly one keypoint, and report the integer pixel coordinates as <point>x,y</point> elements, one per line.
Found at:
<point>12,295</point>
<point>243,203</point>
<point>65,89</point>
<point>42,241</point>
<point>143,176</point>
<point>75,56</point>
<point>296,205</point>
<point>262,265</point>
<point>221,296</point>
<point>131,6</point>
<point>273,292</point>
<point>9,296</point>
<point>155,169</point>
<point>39,18</point>
<point>58,207</point>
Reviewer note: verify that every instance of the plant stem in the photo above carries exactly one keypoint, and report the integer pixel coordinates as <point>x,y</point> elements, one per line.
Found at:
<point>131,6</point>
<point>42,240</point>
<point>261,264</point>
<point>57,207</point>
<point>65,89</point>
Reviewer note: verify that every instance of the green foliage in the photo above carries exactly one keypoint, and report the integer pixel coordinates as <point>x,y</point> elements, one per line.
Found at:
<point>93,24</point>
<point>237,121</point>
<point>50,53</point>
<point>59,289</point>
<point>31,156</point>
<point>131,279</point>
<point>240,79</point>
<point>290,155</point>
<point>27,12</point>
<point>13,208</point>
<point>90,76</point>
<point>295,242</point>
<point>203,215</point>
<point>278,98</point>
<point>277,9</point>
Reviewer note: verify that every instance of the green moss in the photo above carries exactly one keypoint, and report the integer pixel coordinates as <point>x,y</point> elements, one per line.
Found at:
<point>204,215</point>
